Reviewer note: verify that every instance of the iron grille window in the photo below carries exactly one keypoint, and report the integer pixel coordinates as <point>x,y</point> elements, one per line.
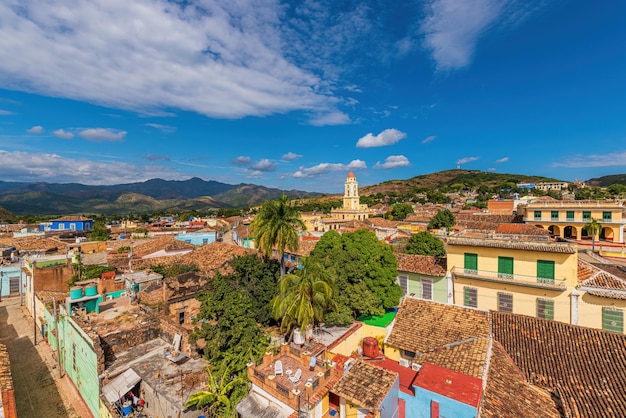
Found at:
<point>470,297</point>
<point>613,319</point>
<point>606,216</point>
<point>427,289</point>
<point>505,302</point>
<point>403,282</point>
<point>545,308</point>
<point>408,354</point>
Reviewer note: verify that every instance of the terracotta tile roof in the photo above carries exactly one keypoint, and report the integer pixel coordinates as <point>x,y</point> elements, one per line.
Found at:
<point>381,222</point>
<point>72,218</point>
<point>521,229</point>
<point>305,247</point>
<point>243,231</point>
<point>422,326</point>
<point>585,366</point>
<point>596,280</point>
<point>6,380</point>
<point>162,242</point>
<point>508,393</point>
<point>365,385</point>
<point>422,264</point>
<point>35,244</point>
<point>548,247</point>
<point>469,358</point>
<point>461,218</point>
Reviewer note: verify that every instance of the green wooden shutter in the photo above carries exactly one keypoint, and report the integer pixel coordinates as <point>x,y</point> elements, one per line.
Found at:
<point>471,262</point>
<point>545,308</point>
<point>505,267</point>
<point>613,320</point>
<point>545,271</point>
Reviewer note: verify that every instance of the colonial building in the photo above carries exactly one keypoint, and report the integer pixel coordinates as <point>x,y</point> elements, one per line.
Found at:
<point>566,219</point>
<point>352,207</point>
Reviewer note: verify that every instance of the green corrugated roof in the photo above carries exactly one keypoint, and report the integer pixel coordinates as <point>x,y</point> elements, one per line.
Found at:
<point>378,321</point>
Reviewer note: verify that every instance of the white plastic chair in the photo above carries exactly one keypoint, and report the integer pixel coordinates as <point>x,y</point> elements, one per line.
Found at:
<point>296,377</point>
<point>278,368</point>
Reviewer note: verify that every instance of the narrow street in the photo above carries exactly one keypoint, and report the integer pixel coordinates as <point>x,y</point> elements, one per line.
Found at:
<point>38,389</point>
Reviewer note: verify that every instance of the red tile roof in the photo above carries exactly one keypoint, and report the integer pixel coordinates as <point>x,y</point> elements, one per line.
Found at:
<point>422,326</point>
<point>584,366</point>
<point>365,385</point>
<point>508,393</point>
<point>521,229</point>
<point>422,264</point>
<point>453,385</point>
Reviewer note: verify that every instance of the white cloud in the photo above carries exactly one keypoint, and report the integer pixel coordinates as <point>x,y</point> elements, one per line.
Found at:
<point>452,28</point>
<point>34,167</point>
<point>290,156</point>
<point>60,133</point>
<point>502,160</point>
<point>429,139</point>
<point>330,118</point>
<point>264,166</point>
<point>386,137</point>
<point>166,129</point>
<point>593,160</point>
<point>466,160</point>
<point>37,129</point>
<point>155,157</point>
<point>242,161</point>
<point>5,112</point>
<point>394,161</point>
<point>324,168</point>
<point>102,134</point>
<point>218,58</point>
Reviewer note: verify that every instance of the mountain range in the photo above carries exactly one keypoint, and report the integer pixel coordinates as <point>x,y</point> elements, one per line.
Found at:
<point>195,193</point>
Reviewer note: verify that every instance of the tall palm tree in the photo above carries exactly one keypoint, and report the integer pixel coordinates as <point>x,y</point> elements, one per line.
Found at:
<point>593,227</point>
<point>216,400</point>
<point>276,225</point>
<point>304,297</point>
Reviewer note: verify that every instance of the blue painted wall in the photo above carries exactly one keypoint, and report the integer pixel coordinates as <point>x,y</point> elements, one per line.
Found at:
<point>418,406</point>
<point>389,406</point>
<point>7,273</point>
<point>197,238</point>
<point>69,225</point>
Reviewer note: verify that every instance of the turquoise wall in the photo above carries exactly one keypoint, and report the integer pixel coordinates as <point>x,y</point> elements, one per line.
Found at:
<point>5,274</point>
<point>80,362</point>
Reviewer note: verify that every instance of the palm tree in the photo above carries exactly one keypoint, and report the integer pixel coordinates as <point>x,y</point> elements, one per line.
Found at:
<point>216,400</point>
<point>276,225</point>
<point>304,297</point>
<point>593,227</point>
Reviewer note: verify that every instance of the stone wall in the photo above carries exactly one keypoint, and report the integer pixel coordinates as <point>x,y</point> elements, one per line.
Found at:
<point>117,342</point>
<point>169,328</point>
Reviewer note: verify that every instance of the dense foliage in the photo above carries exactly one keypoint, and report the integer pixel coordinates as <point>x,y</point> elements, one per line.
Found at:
<point>364,270</point>
<point>399,211</point>
<point>276,226</point>
<point>304,296</point>
<point>173,270</point>
<point>99,232</point>
<point>443,219</point>
<point>83,272</point>
<point>423,243</point>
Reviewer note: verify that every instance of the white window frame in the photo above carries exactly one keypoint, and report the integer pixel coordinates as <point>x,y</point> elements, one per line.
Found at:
<point>428,283</point>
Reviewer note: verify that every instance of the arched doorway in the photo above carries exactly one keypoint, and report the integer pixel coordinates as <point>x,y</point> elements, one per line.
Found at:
<point>606,234</point>
<point>569,232</point>
<point>554,230</point>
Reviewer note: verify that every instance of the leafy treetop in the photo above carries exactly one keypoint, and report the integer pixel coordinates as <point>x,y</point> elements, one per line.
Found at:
<point>423,243</point>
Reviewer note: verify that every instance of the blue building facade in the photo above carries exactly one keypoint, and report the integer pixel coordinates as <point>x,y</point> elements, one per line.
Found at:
<point>197,238</point>
<point>10,280</point>
<point>78,223</point>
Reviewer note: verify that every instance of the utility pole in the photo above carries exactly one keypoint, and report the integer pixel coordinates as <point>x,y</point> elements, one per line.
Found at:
<point>32,288</point>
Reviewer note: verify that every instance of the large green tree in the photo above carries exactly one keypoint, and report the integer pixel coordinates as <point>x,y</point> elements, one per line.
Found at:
<point>304,297</point>
<point>593,228</point>
<point>423,243</point>
<point>443,219</point>
<point>221,395</point>
<point>399,211</point>
<point>365,272</point>
<point>276,225</point>
<point>99,232</point>
<point>231,333</point>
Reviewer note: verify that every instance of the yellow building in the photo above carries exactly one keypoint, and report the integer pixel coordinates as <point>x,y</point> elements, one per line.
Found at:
<point>352,207</point>
<point>524,276</point>
<point>567,218</point>
<point>536,277</point>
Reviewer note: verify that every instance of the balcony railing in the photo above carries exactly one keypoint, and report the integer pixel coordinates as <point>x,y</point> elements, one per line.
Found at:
<point>573,220</point>
<point>518,279</point>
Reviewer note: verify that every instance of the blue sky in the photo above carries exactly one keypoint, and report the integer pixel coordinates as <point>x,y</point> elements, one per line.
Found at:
<point>296,94</point>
